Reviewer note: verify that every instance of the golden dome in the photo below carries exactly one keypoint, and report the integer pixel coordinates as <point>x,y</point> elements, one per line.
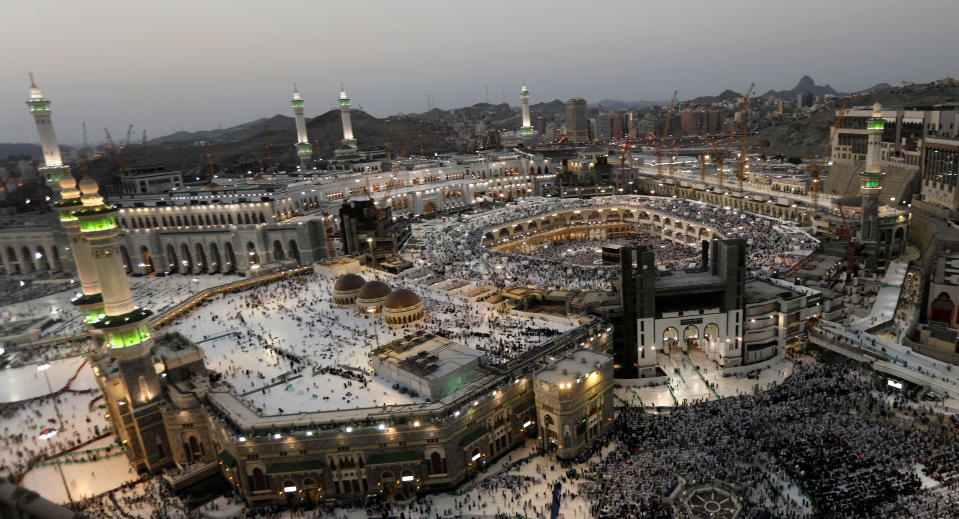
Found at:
<point>374,290</point>
<point>348,283</point>
<point>401,298</point>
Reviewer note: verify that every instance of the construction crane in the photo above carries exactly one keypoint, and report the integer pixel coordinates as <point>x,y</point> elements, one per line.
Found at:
<point>817,166</point>
<point>622,166</point>
<point>126,143</point>
<point>393,180</point>
<point>846,233</point>
<point>147,154</point>
<point>266,142</point>
<point>117,155</point>
<point>659,149</point>
<point>381,230</point>
<point>741,163</point>
<point>732,135</point>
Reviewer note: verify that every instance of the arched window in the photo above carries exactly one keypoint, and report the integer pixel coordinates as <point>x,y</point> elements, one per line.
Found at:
<point>258,479</point>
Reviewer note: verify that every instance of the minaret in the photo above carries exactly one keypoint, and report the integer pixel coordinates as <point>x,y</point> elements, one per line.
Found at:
<point>58,178</point>
<point>124,324</point>
<point>870,188</point>
<point>527,128</point>
<point>303,147</point>
<point>89,301</point>
<point>52,162</point>
<point>348,139</point>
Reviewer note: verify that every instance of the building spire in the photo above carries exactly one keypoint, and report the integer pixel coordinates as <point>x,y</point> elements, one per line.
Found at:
<point>33,84</point>
<point>295,91</point>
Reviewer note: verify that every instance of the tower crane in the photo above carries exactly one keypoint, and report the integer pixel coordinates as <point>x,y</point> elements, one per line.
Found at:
<point>622,166</point>
<point>659,149</point>
<point>817,166</point>
<point>266,141</point>
<point>117,155</point>
<point>389,187</point>
<point>741,163</point>
<point>846,232</point>
<point>147,154</point>
<point>126,143</point>
<point>732,135</point>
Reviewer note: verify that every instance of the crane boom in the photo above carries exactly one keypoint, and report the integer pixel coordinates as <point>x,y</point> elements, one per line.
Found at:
<point>732,135</point>
<point>817,167</point>
<point>117,155</point>
<point>659,149</point>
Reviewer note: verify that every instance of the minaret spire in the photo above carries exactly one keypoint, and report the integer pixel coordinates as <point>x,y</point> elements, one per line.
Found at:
<point>67,200</point>
<point>527,128</point>
<point>303,148</point>
<point>348,139</point>
<point>870,188</point>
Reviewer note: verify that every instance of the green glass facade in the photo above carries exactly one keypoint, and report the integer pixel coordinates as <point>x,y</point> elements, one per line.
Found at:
<point>127,338</point>
<point>98,224</point>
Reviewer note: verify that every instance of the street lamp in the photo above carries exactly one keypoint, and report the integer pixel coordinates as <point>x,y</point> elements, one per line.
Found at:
<point>376,333</point>
<point>47,434</point>
<point>43,369</point>
<point>372,255</point>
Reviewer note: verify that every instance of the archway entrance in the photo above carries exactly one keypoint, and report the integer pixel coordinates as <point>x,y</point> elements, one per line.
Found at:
<point>429,208</point>
<point>215,263</point>
<point>711,335</point>
<point>146,261</point>
<point>127,264</point>
<point>174,263</point>
<point>294,251</point>
<point>690,337</point>
<point>942,309</point>
<point>389,483</point>
<point>670,339</point>
<point>229,264</point>
<point>41,259</point>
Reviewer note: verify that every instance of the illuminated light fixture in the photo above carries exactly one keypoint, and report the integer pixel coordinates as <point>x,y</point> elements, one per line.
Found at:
<point>289,489</point>
<point>277,436</point>
<point>527,424</point>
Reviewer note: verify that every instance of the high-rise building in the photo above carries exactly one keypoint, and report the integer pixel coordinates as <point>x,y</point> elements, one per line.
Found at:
<point>870,187</point>
<point>527,128</point>
<point>699,122</point>
<point>348,139</point>
<point>576,125</point>
<point>304,149</point>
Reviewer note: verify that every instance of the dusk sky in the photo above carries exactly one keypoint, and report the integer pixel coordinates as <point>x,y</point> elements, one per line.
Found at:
<point>171,64</point>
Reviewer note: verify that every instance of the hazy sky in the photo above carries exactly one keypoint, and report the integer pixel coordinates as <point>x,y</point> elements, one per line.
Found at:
<point>163,65</point>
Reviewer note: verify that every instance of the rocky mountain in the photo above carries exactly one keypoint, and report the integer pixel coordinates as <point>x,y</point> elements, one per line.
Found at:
<point>806,85</point>
<point>231,134</point>
<point>20,148</point>
<point>795,137</point>
<point>726,95</point>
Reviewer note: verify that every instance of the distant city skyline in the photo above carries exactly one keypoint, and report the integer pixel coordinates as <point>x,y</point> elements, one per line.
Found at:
<point>179,65</point>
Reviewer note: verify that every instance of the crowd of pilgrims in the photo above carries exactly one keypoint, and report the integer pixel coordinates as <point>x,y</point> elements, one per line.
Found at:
<point>456,250</point>
<point>824,427</point>
<point>582,252</point>
<point>260,338</point>
<point>23,422</point>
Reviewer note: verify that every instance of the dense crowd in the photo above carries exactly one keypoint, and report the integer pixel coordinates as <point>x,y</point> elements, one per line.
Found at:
<point>281,344</point>
<point>825,428</point>
<point>455,250</point>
